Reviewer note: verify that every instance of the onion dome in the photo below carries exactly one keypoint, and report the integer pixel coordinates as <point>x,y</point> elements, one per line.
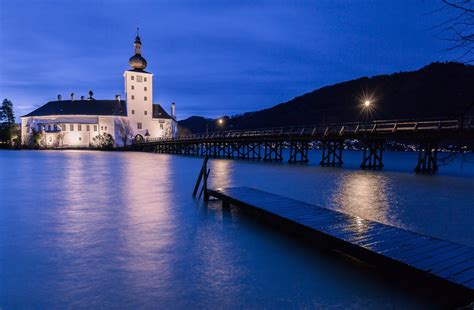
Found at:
<point>137,62</point>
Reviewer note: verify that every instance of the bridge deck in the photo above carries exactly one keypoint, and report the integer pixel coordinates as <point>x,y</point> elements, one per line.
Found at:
<point>375,242</point>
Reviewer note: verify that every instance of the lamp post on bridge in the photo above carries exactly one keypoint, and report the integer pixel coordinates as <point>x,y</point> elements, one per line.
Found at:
<point>219,122</point>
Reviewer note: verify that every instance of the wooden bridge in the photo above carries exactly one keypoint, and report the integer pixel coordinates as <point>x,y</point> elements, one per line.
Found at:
<point>268,144</point>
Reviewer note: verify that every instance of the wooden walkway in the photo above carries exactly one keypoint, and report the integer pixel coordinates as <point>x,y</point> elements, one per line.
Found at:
<point>371,241</point>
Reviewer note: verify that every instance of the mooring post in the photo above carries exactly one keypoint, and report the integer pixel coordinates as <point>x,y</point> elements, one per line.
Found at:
<point>202,174</point>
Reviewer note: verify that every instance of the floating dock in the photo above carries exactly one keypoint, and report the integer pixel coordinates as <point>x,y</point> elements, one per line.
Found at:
<point>384,245</point>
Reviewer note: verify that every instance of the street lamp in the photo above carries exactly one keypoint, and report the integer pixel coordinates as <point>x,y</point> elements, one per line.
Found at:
<point>220,123</point>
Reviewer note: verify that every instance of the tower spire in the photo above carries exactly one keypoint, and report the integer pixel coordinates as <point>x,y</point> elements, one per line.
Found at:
<point>137,61</point>
<point>138,44</point>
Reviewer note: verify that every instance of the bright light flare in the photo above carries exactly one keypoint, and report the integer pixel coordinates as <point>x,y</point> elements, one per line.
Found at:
<point>367,103</point>
<point>220,121</point>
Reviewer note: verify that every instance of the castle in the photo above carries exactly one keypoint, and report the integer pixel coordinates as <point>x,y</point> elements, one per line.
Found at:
<point>79,122</point>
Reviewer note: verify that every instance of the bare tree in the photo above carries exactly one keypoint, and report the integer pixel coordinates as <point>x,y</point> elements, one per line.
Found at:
<point>60,139</point>
<point>459,28</point>
<point>125,130</point>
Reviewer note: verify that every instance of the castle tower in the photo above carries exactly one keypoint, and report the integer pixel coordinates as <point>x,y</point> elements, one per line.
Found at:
<point>139,92</point>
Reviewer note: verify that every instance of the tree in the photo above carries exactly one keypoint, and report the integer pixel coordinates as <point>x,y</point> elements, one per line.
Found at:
<point>60,139</point>
<point>104,141</point>
<point>35,139</point>
<point>7,122</point>
<point>459,28</point>
<point>125,130</point>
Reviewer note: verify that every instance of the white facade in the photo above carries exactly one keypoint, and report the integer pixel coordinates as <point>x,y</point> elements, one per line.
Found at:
<point>69,131</point>
<point>75,123</point>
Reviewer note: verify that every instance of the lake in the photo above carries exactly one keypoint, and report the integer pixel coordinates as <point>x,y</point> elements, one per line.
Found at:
<point>84,229</point>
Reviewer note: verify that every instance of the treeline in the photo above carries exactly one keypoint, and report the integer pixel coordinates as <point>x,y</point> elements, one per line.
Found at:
<point>10,133</point>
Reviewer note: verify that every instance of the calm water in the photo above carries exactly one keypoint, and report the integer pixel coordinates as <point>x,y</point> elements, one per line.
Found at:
<point>96,229</point>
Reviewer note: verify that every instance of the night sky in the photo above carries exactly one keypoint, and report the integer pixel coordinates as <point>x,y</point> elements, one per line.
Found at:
<point>210,57</point>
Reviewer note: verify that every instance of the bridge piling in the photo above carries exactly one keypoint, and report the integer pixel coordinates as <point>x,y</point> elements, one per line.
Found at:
<point>273,151</point>
<point>427,159</point>
<point>252,151</point>
<point>298,152</point>
<point>332,153</point>
<point>372,155</point>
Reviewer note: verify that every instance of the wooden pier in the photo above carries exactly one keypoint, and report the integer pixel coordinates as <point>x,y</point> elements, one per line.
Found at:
<point>391,248</point>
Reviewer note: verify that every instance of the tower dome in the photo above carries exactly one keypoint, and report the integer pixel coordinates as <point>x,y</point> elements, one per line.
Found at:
<point>137,62</point>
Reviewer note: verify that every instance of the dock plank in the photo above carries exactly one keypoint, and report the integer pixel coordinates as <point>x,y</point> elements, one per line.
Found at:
<point>449,261</point>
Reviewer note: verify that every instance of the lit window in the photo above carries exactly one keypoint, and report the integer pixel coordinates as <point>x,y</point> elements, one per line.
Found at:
<point>139,78</point>
<point>133,97</point>
<point>95,127</point>
<point>71,127</point>
<point>146,112</point>
<point>132,77</point>
<point>88,127</point>
<point>79,127</point>
<point>133,87</point>
<point>139,125</point>
<point>144,88</point>
<point>144,98</point>
<point>133,111</point>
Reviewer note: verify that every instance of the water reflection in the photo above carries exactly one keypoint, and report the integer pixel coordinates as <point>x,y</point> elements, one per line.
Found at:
<point>148,220</point>
<point>75,217</point>
<point>221,173</point>
<point>364,194</point>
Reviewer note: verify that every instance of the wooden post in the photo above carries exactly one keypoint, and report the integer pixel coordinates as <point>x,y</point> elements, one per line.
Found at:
<point>204,186</point>
<point>201,174</point>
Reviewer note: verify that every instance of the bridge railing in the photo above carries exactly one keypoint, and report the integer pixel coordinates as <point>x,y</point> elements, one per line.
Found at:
<point>333,129</point>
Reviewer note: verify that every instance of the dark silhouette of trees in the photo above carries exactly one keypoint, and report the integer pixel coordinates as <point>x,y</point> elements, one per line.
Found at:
<point>436,90</point>
<point>104,141</point>
<point>8,128</point>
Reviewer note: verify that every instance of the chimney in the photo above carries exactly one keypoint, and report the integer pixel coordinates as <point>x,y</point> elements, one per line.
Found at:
<point>59,97</point>
<point>82,97</point>
<point>117,97</point>
<point>72,96</point>
<point>173,110</point>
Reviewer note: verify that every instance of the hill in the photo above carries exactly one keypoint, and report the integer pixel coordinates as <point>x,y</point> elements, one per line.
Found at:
<point>436,90</point>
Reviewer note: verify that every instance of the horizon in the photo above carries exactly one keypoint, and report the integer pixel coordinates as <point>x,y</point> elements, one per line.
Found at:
<point>251,65</point>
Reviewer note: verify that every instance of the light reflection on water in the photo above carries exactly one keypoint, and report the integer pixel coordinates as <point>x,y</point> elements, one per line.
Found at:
<point>365,192</point>
<point>93,229</point>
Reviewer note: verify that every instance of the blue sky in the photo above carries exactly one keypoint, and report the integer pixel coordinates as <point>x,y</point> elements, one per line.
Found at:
<point>212,58</point>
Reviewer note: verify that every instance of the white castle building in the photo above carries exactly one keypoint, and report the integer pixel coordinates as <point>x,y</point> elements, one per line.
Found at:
<point>76,122</point>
